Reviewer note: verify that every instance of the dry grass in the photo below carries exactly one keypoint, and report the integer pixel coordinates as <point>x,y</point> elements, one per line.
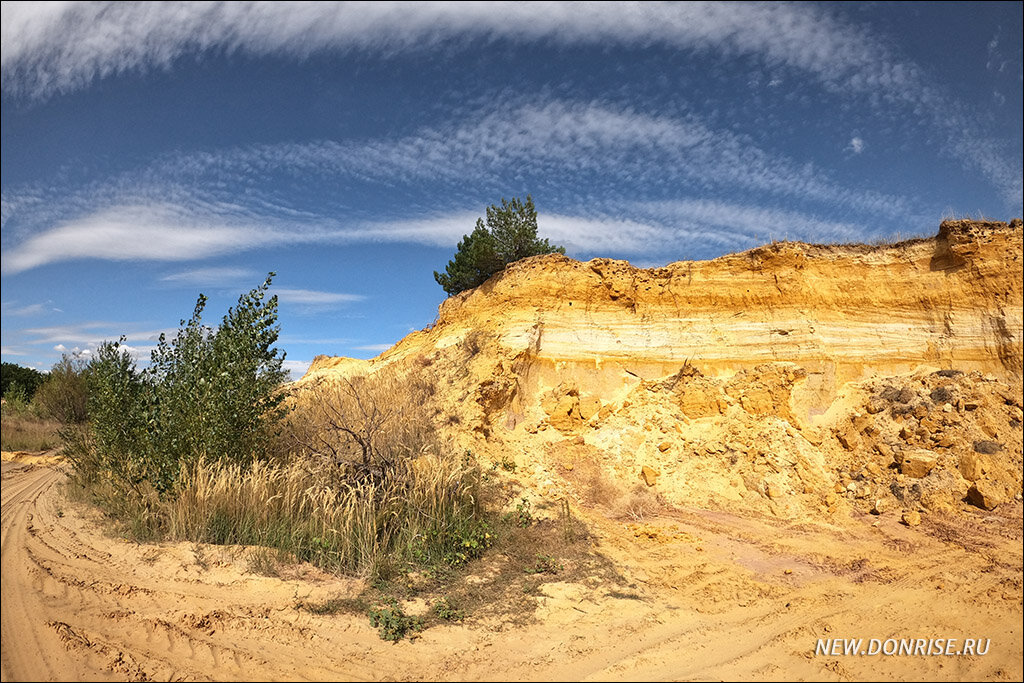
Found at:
<point>424,512</point>
<point>360,485</point>
<point>25,431</point>
<point>369,525</point>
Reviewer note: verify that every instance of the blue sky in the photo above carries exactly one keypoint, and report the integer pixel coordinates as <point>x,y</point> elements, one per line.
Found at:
<point>153,151</point>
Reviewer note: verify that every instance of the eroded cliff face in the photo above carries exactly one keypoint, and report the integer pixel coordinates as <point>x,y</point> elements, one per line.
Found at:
<point>841,313</point>
<point>746,377</point>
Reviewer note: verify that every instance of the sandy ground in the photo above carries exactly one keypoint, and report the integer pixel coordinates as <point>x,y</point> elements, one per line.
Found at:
<point>705,595</point>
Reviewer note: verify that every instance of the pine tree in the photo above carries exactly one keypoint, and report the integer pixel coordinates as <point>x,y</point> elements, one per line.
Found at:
<point>510,234</point>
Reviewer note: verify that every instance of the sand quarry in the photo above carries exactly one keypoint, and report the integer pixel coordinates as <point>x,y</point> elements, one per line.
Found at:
<point>762,453</point>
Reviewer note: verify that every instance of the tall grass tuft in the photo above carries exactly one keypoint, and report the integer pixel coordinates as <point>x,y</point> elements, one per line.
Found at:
<point>426,510</point>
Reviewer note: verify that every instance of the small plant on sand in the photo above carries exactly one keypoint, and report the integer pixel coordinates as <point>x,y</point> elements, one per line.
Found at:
<point>392,623</point>
<point>458,546</point>
<point>544,564</point>
<point>444,609</point>
<point>522,517</point>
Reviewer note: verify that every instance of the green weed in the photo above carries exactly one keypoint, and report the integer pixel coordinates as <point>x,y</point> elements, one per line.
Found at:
<point>392,623</point>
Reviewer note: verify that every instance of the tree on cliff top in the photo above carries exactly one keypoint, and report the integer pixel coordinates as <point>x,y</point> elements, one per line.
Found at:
<point>510,234</point>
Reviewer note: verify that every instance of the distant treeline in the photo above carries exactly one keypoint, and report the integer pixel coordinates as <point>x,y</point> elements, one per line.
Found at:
<point>28,379</point>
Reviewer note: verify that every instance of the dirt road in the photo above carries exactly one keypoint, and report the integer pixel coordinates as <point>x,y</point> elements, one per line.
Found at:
<point>703,595</point>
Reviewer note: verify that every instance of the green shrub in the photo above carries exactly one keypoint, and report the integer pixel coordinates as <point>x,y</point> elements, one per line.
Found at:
<point>522,517</point>
<point>64,395</point>
<point>116,444</point>
<point>444,609</point>
<point>216,393</point>
<point>392,623</point>
<point>544,564</point>
<point>16,397</point>
<point>208,394</point>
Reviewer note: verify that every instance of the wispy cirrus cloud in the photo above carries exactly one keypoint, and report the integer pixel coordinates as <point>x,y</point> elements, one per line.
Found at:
<point>216,276</point>
<point>552,140</point>
<point>378,348</point>
<point>29,310</point>
<point>632,227</point>
<point>51,48</point>
<point>91,333</point>
<point>310,301</point>
<point>160,219</point>
<point>693,228</point>
<point>158,232</point>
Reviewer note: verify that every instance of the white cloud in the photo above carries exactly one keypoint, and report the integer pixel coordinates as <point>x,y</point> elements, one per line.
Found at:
<point>693,228</point>
<point>602,234</point>
<point>377,348</point>
<point>90,334</point>
<point>553,139</point>
<point>223,276</point>
<point>627,227</point>
<point>314,297</point>
<point>161,219</point>
<point>734,224</point>
<point>296,368</point>
<point>159,232</point>
<point>29,310</point>
<point>856,145</point>
<point>56,47</point>
<point>290,340</point>
<point>11,351</point>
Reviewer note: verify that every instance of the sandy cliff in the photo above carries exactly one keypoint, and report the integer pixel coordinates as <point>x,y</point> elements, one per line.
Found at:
<point>765,376</point>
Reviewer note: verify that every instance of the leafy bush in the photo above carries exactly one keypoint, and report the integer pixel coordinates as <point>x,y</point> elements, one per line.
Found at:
<point>16,398</point>
<point>116,442</point>
<point>64,394</point>
<point>509,235</point>
<point>454,542</point>
<point>522,517</point>
<point>217,391</point>
<point>208,394</point>
<point>392,623</point>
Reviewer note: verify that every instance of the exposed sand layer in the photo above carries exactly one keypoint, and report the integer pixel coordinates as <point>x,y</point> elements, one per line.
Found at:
<point>704,595</point>
<point>840,312</point>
